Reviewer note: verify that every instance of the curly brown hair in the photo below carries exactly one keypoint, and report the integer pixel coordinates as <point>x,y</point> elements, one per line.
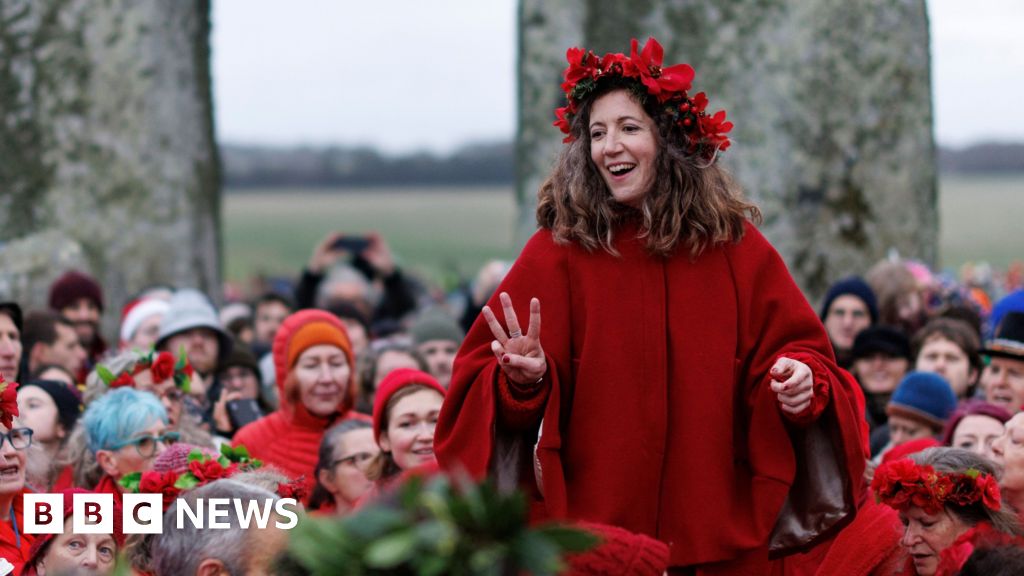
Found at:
<point>692,202</point>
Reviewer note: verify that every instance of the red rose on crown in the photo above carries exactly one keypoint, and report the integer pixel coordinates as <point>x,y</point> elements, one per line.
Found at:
<point>295,489</point>
<point>125,379</point>
<point>160,483</point>
<point>8,402</point>
<point>163,367</point>
<point>990,496</point>
<point>210,470</point>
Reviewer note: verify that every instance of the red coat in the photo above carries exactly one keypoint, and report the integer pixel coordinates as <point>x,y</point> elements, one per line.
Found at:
<point>15,545</point>
<point>288,440</point>
<point>658,415</point>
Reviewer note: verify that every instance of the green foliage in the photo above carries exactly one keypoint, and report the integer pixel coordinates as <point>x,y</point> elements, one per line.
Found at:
<point>436,526</point>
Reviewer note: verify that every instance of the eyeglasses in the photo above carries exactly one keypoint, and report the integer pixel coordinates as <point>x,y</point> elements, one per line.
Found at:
<point>173,395</point>
<point>359,460</point>
<point>20,438</point>
<point>146,445</point>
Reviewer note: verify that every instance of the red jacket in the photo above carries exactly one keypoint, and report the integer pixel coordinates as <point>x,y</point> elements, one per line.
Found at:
<point>15,545</point>
<point>658,415</point>
<point>289,439</point>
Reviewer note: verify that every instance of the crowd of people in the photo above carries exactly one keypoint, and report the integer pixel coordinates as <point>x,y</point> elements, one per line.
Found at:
<point>680,395</point>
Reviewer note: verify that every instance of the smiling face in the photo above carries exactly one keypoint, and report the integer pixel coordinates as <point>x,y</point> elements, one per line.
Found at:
<point>410,432</point>
<point>322,374</point>
<point>623,146</point>
<point>880,373</point>
<point>925,536</point>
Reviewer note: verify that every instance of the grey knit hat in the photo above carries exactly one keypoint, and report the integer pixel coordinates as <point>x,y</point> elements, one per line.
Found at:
<point>192,309</point>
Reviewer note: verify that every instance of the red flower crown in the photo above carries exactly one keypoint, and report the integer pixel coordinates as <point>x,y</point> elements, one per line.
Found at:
<point>8,402</point>
<point>202,469</point>
<point>703,134</point>
<point>161,365</point>
<point>903,483</point>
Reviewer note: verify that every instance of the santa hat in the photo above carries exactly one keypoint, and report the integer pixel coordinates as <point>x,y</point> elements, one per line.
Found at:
<point>138,311</point>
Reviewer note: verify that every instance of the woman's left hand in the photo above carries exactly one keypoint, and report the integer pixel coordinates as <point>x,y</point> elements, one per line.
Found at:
<point>793,382</point>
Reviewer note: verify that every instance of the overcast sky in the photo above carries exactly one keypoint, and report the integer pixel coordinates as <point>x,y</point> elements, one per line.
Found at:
<point>351,72</point>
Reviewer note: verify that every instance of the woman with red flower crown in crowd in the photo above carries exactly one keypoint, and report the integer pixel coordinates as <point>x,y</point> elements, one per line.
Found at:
<point>682,385</point>
<point>15,545</point>
<point>949,502</point>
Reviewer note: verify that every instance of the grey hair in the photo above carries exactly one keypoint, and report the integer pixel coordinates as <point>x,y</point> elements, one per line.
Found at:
<point>181,551</point>
<point>118,363</point>
<point>957,461</point>
<point>266,477</point>
<point>346,274</point>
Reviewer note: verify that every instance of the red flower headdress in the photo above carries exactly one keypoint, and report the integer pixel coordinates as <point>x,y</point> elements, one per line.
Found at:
<point>161,365</point>
<point>8,402</point>
<point>703,134</point>
<point>202,469</point>
<point>902,483</point>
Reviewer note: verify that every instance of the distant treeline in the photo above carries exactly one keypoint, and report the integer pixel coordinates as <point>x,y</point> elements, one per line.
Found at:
<point>473,165</point>
<point>307,167</point>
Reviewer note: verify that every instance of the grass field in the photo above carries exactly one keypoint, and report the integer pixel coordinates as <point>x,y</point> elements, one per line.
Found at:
<point>444,234</point>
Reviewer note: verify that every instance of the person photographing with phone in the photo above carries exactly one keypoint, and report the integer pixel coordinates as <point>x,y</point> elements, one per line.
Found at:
<point>239,402</point>
<point>359,270</point>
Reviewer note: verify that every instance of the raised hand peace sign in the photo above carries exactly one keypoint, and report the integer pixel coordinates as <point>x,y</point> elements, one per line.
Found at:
<point>519,355</point>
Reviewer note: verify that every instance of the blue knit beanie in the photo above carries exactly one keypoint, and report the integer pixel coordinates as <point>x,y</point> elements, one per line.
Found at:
<point>855,286</point>
<point>1012,302</point>
<point>923,396</point>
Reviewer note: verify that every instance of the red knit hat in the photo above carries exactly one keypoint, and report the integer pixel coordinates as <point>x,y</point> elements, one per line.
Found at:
<point>393,382</point>
<point>42,540</point>
<point>73,285</point>
<point>909,448</point>
<point>305,329</point>
<point>620,552</point>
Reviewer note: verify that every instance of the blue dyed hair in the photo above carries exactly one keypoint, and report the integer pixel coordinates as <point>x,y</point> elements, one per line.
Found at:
<point>119,415</point>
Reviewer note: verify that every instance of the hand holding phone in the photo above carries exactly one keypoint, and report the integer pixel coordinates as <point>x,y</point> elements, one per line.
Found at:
<point>243,411</point>
<point>354,245</point>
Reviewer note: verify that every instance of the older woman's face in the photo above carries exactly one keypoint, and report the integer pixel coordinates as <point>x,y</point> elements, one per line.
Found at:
<point>925,536</point>
<point>322,374</point>
<point>71,553</point>
<point>1009,451</point>
<point>12,466</point>
<point>129,458</point>
<point>977,433</point>
<point>623,146</point>
<point>346,479</point>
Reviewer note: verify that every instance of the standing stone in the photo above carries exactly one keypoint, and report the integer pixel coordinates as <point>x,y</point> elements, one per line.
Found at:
<point>107,153</point>
<point>831,102</point>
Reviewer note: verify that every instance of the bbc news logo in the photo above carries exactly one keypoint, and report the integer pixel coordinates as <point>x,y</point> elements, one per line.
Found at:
<point>144,513</point>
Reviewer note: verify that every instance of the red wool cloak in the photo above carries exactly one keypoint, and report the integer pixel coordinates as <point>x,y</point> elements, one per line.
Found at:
<point>657,412</point>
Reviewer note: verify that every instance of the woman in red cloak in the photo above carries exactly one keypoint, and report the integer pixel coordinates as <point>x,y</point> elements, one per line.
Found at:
<point>682,388</point>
